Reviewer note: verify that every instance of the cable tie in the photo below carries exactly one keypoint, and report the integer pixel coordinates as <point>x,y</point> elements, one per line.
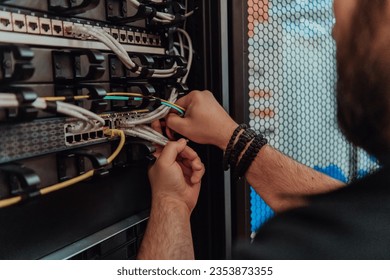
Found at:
<point>26,96</point>
<point>30,194</point>
<point>69,98</point>
<point>146,72</point>
<point>51,107</point>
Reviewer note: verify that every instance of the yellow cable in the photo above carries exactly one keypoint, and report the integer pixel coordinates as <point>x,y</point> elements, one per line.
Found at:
<point>63,98</point>
<point>125,94</point>
<point>116,132</point>
<point>10,201</point>
<point>173,104</point>
<point>89,174</point>
<point>67,183</point>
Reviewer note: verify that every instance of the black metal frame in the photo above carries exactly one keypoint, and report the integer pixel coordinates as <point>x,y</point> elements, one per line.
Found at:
<point>213,210</point>
<point>98,205</point>
<point>239,107</point>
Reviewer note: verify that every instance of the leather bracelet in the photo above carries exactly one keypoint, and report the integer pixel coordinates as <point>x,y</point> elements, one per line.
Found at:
<point>244,139</point>
<point>248,157</point>
<point>229,146</point>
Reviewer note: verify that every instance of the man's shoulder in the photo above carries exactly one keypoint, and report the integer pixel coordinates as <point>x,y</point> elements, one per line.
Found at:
<point>351,223</point>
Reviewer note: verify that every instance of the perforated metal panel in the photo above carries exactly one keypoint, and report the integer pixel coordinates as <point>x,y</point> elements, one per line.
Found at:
<point>292,83</point>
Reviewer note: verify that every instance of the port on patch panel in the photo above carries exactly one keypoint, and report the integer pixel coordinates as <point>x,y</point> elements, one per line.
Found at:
<point>115,33</point>
<point>66,25</point>
<point>5,21</point>
<point>32,25</point>
<point>57,27</point>
<point>144,39</point>
<point>45,25</point>
<point>19,22</point>
<point>123,37</point>
<point>130,36</point>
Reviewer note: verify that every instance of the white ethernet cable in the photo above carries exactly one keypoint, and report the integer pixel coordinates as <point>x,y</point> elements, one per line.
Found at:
<point>190,52</point>
<point>144,134</point>
<point>9,100</point>
<point>161,16</point>
<point>118,49</point>
<point>161,112</point>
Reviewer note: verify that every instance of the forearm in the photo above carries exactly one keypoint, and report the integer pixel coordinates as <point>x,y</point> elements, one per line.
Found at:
<point>168,234</point>
<point>283,182</point>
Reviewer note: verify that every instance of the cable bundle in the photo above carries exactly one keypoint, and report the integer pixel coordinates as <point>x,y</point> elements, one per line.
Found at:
<point>101,35</point>
<point>160,17</point>
<point>10,100</point>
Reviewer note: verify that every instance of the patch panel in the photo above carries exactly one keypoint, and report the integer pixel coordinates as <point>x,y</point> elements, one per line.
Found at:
<point>57,135</point>
<point>42,24</point>
<point>84,138</point>
<point>74,135</point>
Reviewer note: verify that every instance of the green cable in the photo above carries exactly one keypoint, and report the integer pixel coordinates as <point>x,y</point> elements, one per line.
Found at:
<point>181,112</point>
<point>116,98</point>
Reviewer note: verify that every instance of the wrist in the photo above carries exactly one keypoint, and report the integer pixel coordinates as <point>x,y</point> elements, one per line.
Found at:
<point>164,202</point>
<point>225,135</point>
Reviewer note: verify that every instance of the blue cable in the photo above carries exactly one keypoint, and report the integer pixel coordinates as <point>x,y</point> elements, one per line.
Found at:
<point>181,112</point>
<point>173,107</point>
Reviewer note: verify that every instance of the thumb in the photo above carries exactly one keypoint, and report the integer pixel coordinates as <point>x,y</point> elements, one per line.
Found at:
<point>177,123</point>
<point>171,151</point>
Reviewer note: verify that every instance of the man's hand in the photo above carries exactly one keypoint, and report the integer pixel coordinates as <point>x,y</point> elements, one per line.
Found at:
<point>205,121</point>
<point>175,179</point>
<point>176,175</point>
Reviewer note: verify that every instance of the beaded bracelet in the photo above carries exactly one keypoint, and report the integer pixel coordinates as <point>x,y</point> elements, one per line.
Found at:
<point>249,155</point>
<point>229,147</point>
<point>244,139</point>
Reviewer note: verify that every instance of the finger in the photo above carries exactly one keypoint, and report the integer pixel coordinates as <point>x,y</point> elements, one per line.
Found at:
<point>177,123</point>
<point>158,151</point>
<point>197,175</point>
<point>185,101</point>
<point>170,133</point>
<point>193,164</point>
<point>186,171</point>
<point>156,125</point>
<point>197,169</point>
<point>188,153</point>
<point>171,151</point>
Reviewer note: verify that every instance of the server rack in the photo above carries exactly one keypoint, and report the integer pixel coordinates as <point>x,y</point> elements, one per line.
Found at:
<point>104,217</point>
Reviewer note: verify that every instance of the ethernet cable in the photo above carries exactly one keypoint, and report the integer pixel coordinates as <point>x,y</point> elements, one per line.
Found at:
<point>128,96</point>
<point>119,50</point>
<point>123,96</point>
<point>161,112</point>
<point>190,53</point>
<point>161,16</point>
<point>148,134</point>
<point>109,132</point>
<point>9,100</point>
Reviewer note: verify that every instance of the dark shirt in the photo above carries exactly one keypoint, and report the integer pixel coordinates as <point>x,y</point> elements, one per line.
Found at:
<point>350,223</point>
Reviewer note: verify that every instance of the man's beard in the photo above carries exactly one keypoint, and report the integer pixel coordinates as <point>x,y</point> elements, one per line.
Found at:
<point>363,86</point>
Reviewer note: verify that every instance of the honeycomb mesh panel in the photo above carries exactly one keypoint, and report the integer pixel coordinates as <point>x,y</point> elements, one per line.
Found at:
<point>291,87</point>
